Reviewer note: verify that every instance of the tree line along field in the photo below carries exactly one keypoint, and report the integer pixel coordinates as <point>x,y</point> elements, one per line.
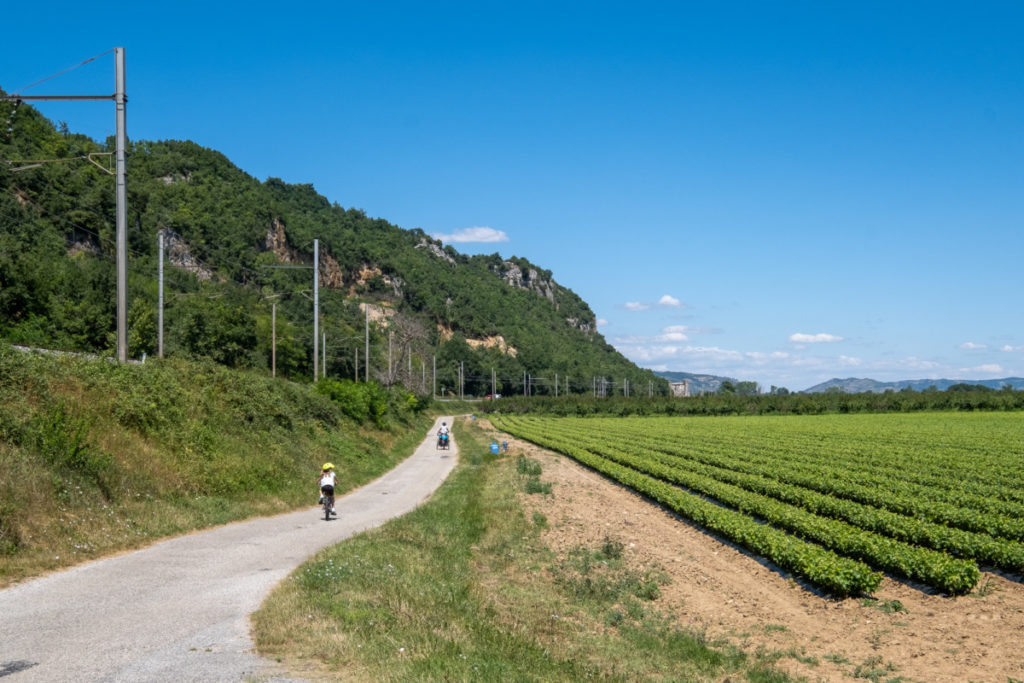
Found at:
<point>836,500</point>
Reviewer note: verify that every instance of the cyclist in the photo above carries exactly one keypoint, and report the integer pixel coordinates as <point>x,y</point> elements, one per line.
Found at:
<point>442,433</point>
<point>327,481</point>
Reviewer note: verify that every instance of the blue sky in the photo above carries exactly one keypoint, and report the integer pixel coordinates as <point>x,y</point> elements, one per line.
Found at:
<point>780,192</point>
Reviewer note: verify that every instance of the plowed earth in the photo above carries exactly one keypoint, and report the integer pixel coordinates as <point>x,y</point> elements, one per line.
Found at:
<point>904,633</point>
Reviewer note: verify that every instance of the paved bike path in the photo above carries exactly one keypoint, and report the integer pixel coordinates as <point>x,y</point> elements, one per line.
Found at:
<point>179,610</point>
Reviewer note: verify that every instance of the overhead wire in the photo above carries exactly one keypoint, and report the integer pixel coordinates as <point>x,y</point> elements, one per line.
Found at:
<point>61,73</point>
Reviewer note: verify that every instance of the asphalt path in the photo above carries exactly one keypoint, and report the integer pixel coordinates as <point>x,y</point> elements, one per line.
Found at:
<point>179,610</point>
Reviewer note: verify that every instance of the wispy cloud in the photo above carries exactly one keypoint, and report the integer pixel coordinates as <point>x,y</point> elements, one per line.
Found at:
<point>820,338</point>
<point>636,306</point>
<point>1011,349</point>
<point>914,363</point>
<point>666,301</point>
<point>601,322</point>
<point>971,346</point>
<point>990,368</point>
<point>477,234</point>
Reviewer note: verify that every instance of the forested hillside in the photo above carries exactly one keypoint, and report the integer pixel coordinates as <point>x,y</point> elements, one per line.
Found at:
<point>226,236</point>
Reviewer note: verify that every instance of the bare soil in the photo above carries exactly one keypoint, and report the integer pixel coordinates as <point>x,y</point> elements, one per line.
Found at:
<point>904,633</point>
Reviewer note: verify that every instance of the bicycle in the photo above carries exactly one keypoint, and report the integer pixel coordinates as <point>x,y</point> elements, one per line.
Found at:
<point>328,500</point>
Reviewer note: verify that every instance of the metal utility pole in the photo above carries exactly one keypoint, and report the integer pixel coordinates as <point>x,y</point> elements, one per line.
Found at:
<point>323,352</point>
<point>556,385</point>
<point>366,354</point>
<point>160,304</point>
<point>434,390</point>
<point>273,339</point>
<point>120,99</point>
<point>316,307</point>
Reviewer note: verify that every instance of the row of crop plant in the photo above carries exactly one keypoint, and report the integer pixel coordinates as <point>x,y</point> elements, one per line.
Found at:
<point>905,535</point>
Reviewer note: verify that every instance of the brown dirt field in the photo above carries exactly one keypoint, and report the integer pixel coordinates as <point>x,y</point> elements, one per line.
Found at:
<point>735,598</point>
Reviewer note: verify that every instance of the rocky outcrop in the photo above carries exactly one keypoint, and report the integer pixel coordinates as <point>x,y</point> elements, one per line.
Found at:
<point>436,250</point>
<point>492,342</point>
<point>331,274</point>
<point>587,327</point>
<point>530,280</point>
<point>176,178</point>
<point>179,255</point>
<point>278,243</point>
<point>378,314</point>
<point>367,272</point>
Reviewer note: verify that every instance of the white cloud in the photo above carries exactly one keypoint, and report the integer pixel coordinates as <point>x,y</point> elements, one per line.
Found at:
<point>670,301</point>
<point>972,345</point>
<point>477,234</point>
<point>762,356</point>
<point>1009,348</point>
<point>601,322</point>
<point>673,333</point>
<point>820,338</point>
<point>636,306</point>
<point>991,368</point>
<point>850,361</point>
<point>917,364</point>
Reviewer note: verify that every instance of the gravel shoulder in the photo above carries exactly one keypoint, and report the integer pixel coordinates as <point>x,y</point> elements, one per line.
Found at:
<point>179,610</point>
<point>735,598</point>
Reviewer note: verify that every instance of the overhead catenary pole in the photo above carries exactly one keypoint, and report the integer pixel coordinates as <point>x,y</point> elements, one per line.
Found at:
<point>323,352</point>
<point>434,390</point>
<point>160,303</point>
<point>316,308</point>
<point>120,99</point>
<point>366,353</point>
<point>273,339</point>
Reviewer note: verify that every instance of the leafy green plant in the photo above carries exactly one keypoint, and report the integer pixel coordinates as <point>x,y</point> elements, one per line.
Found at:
<point>535,485</point>
<point>528,466</point>
<point>63,441</point>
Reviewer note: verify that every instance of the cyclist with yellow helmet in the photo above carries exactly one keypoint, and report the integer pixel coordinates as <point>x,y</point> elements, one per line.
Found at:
<point>327,481</point>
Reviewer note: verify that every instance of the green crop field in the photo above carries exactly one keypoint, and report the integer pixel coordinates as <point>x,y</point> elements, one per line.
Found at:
<point>835,500</point>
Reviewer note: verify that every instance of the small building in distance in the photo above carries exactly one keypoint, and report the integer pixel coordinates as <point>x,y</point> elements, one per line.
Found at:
<point>680,388</point>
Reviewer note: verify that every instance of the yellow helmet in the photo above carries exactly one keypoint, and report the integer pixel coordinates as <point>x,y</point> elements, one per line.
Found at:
<point>328,466</point>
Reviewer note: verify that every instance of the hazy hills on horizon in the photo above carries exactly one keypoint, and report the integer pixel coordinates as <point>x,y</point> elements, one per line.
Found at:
<point>706,383</point>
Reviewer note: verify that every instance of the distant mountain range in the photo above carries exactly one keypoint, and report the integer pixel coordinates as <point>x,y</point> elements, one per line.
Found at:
<point>853,385</point>
<point>704,384</point>
<point>699,384</point>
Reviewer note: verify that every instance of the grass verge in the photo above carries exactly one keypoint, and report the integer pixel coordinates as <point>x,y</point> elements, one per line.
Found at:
<point>97,458</point>
<point>463,589</point>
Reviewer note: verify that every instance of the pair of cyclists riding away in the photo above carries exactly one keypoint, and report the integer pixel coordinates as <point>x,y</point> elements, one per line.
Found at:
<point>329,478</point>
